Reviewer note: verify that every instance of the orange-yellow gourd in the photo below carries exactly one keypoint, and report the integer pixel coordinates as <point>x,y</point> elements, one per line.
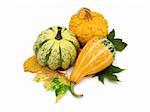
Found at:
<point>87,24</point>
<point>95,56</point>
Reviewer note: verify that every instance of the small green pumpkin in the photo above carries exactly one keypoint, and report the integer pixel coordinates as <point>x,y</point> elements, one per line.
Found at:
<point>56,47</point>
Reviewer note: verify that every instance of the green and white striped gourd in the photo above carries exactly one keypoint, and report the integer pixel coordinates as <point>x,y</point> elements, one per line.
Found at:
<point>56,48</point>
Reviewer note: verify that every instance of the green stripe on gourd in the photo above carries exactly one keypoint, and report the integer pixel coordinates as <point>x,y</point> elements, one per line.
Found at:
<point>44,52</point>
<point>56,48</point>
<point>43,38</point>
<point>69,36</point>
<point>109,45</point>
<point>72,52</point>
<point>65,56</point>
<point>54,58</point>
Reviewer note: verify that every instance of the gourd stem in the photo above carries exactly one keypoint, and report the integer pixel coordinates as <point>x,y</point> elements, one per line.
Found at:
<point>87,11</point>
<point>59,36</point>
<point>72,90</point>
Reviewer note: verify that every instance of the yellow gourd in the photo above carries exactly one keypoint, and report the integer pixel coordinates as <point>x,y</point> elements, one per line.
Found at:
<point>95,56</point>
<point>87,24</point>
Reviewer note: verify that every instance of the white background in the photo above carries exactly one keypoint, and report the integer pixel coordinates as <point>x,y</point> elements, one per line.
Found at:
<point>22,20</point>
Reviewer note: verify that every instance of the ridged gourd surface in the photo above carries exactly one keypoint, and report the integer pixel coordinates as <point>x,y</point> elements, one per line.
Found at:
<point>94,57</point>
<point>56,47</point>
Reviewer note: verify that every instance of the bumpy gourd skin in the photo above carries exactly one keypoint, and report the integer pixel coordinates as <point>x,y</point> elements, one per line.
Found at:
<point>87,25</point>
<point>56,48</point>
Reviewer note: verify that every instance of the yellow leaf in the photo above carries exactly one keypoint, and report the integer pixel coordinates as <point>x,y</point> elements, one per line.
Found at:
<point>52,74</point>
<point>58,98</point>
<point>48,76</point>
<point>41,77</point>
<point>31,65</point>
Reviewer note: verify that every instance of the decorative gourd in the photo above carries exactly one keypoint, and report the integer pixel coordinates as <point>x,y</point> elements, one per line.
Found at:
<point>56,47</point>
<point>86,25</point>
<point>95,56</point>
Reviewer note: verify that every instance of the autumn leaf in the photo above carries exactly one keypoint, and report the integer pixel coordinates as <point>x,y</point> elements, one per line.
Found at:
<point>53,81</point>
<point>31,65</point>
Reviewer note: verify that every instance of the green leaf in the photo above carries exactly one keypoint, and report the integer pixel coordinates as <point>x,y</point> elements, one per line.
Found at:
<point>53,81</point>
<point>109,73</point>
<point>119,44</point>
<point>111,35</point>
<point>114,69</point>
<point>62,90</point>
<point>101,78</point>
<point>59,86</point>
<point>55,84</point>
<point>112,78</point>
